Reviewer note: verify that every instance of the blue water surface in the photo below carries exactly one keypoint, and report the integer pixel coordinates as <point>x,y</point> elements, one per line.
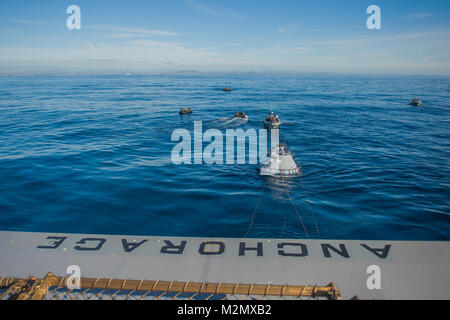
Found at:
<point>93,155</point>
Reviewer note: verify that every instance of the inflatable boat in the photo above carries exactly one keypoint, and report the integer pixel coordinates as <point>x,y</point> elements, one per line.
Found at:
<point>186,110</point>
<point>272,121</point>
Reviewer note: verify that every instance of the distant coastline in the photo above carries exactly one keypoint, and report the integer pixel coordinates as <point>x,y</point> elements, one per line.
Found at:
<point>215,73</point>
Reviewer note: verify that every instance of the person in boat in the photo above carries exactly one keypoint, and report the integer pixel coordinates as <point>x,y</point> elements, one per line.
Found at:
<point>276,118</point>
<point>182,109</point>
<point>414,101</point>
<point>418,101</point>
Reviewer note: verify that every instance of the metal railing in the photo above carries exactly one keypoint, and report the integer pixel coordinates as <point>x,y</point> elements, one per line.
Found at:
<point>52,287</point>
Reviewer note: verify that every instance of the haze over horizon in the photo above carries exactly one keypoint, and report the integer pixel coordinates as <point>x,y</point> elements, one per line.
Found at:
<point>144,37</point>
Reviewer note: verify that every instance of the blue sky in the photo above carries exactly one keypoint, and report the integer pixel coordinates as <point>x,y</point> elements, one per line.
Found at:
<point>281,36</point>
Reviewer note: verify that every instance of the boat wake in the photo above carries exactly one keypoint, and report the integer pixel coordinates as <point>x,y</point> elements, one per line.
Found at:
<point>227,122</point>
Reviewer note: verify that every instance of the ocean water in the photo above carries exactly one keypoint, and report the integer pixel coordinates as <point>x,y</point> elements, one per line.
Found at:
<point>93,155</point>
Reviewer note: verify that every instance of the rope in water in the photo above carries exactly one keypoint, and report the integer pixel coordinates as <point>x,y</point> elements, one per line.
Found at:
<point>295,209</point>
<point>252,219</point>
<point>310,208</point>
<point>298,214</point>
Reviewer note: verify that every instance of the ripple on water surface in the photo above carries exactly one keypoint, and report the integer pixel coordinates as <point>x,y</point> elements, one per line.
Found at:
<point>93,155</point>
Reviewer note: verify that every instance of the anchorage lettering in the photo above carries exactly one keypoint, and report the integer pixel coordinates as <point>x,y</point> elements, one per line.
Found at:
<point>218,248</point>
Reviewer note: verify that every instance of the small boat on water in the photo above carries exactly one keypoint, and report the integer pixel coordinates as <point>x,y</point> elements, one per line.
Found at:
<point>416,102</point>
<point>272,121</point>
<point>187,110</point>
<point>280,163</point>
<point>241,115</point>
<point>227,89</point>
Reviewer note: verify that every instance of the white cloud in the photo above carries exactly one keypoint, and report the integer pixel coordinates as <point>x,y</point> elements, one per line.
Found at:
<point>216,12</point>
<point>420,15</point>
<point>135,31</point>
<point>202,8</point>
<point>121,31</point>
<point>289,28</point>
<point>132,56</point>
<point>235,14</point>
<point>32,22</point>
<point>124,35</point>
<point>143,55</point>
<point>300,49</point>
<point>406,36</point>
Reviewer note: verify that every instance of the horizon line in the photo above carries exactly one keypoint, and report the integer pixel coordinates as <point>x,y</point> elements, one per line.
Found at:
<point>175,72</point>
